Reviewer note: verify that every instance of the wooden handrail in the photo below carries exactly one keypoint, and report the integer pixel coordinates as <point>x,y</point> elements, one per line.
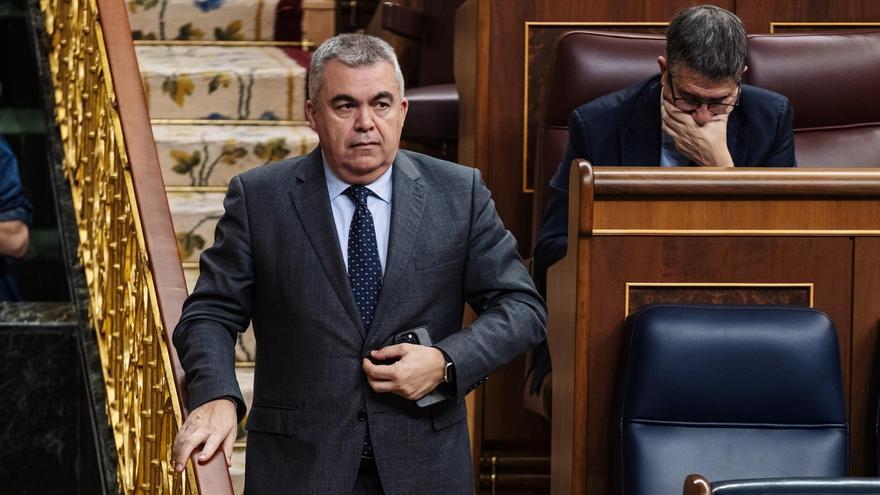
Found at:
<point>211,477</point>
<point>128,247</point>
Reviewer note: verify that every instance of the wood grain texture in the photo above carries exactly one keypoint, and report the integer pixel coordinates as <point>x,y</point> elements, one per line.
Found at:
<point>864,385</point>
<point>568,296</point>
<point>493,138</point>
<point>640,296</point>
<point>587,295</point>
<point>739,181</point>
<point>758,14</point>
<point>617,260</point>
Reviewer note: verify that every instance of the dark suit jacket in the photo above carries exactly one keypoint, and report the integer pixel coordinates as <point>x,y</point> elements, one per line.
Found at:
<point>623,129</point>
<point>276,260</point>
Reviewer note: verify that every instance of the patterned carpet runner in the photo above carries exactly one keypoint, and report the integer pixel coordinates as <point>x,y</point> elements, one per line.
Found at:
<point>223,100</point>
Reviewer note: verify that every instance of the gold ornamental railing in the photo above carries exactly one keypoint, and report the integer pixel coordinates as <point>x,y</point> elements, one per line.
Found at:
<point>126,241</point>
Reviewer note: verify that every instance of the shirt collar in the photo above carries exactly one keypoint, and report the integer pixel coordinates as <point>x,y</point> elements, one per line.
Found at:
<point>381,187</point>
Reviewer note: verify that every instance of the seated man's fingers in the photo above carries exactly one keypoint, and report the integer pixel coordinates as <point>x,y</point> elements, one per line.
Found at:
<point>673,113</point>
<point>673,133</point>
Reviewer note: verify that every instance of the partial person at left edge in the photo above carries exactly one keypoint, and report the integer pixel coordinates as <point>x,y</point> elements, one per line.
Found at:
<point>15,219</point>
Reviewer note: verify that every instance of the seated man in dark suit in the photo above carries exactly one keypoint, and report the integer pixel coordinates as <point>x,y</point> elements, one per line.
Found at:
<point>696,112</point>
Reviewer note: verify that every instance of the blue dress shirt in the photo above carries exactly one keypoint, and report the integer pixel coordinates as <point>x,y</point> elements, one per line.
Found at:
<point>379,204</point>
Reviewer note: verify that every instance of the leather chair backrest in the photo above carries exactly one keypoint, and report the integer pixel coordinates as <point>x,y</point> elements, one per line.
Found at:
<point>832,80</point>
<point>587,65</point>
<point>730,392</point>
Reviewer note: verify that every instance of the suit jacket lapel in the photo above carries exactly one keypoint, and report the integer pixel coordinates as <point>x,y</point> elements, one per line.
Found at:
<point>407,205</point>
<point>312,204</point>
<point>640,137</point>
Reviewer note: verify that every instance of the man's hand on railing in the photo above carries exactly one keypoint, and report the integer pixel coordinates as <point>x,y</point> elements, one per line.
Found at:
<point>210,424</point>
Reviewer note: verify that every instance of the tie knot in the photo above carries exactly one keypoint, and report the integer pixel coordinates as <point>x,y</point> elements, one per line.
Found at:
<point>358,194</point>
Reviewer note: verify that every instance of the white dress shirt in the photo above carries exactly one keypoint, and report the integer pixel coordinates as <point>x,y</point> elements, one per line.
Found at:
<point>379,204</point>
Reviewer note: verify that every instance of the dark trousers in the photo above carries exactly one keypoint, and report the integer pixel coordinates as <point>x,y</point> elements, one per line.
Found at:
<point>368,482</point>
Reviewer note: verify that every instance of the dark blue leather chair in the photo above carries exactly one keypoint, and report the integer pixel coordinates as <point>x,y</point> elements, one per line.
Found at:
<point>729,392</point>
<point>697,485</point>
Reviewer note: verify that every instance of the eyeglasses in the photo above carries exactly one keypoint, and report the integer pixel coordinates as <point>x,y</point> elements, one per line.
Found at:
<point>691,105</point>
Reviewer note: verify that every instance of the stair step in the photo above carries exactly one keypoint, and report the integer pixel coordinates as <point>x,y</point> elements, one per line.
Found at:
<point>222,82</point>
<point>223,20</point>
<point>194,215</point>
<point>210,155</point>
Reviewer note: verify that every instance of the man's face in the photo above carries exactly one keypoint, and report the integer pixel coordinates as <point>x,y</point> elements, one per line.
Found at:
<point>358,114</point>
<point>691,89</point>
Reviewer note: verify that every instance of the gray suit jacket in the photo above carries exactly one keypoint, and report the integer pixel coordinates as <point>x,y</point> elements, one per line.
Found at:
<point>276,260</point>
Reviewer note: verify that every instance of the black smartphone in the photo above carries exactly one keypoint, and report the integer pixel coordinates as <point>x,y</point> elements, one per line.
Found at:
<point>416,336</point>
<point>420,336</point>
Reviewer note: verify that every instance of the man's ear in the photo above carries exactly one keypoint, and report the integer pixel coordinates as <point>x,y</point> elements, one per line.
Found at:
<point>404,106</point>
<point>661,61</point>
<point>745,69</point>
<point>310,114</point>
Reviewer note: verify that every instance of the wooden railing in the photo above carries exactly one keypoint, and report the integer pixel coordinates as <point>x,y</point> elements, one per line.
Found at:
<point>127,244</point>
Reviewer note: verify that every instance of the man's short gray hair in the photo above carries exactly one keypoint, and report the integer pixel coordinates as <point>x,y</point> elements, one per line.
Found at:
<point>709,40</point>
<point>353,50</point>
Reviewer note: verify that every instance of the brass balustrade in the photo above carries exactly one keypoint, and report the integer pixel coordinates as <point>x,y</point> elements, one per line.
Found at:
<point>143,402</point>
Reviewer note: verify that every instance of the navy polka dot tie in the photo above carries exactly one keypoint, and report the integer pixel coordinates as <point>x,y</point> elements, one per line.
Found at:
<point>364,269</point>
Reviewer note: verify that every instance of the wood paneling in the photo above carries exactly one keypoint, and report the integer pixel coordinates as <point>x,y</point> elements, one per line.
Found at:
<point>639,295</point>
<point>492,72</point>
<point>615,261</point>
<point>588,291</point>
<point>864,388</point>
<point>758,14</point>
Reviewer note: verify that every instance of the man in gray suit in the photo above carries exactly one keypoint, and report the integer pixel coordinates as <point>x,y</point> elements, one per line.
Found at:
<point>331,255</point>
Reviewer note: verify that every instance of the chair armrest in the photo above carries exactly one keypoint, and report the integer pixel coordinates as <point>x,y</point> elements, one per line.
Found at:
<point>695,484</point>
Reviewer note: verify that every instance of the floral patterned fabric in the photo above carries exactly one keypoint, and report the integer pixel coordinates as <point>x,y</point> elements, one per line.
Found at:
<point>210,155</point>
<point>222,82</point>
<point>195,215</point>
<point>207,20</point>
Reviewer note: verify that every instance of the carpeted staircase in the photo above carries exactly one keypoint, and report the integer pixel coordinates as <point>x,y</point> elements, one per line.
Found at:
<point>223,99</point>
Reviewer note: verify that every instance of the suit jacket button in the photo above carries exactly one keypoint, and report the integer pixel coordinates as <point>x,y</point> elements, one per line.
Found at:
<point>362,415</point>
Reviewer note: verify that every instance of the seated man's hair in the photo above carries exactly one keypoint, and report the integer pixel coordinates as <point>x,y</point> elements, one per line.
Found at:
<point>353,50</point>
<point>708,40</point>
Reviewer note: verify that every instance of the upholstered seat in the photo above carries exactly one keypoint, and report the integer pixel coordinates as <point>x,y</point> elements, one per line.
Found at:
<point>729,392</point>
<point>433,101</point>
<point>587,65</point>
<point>831,80</point>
